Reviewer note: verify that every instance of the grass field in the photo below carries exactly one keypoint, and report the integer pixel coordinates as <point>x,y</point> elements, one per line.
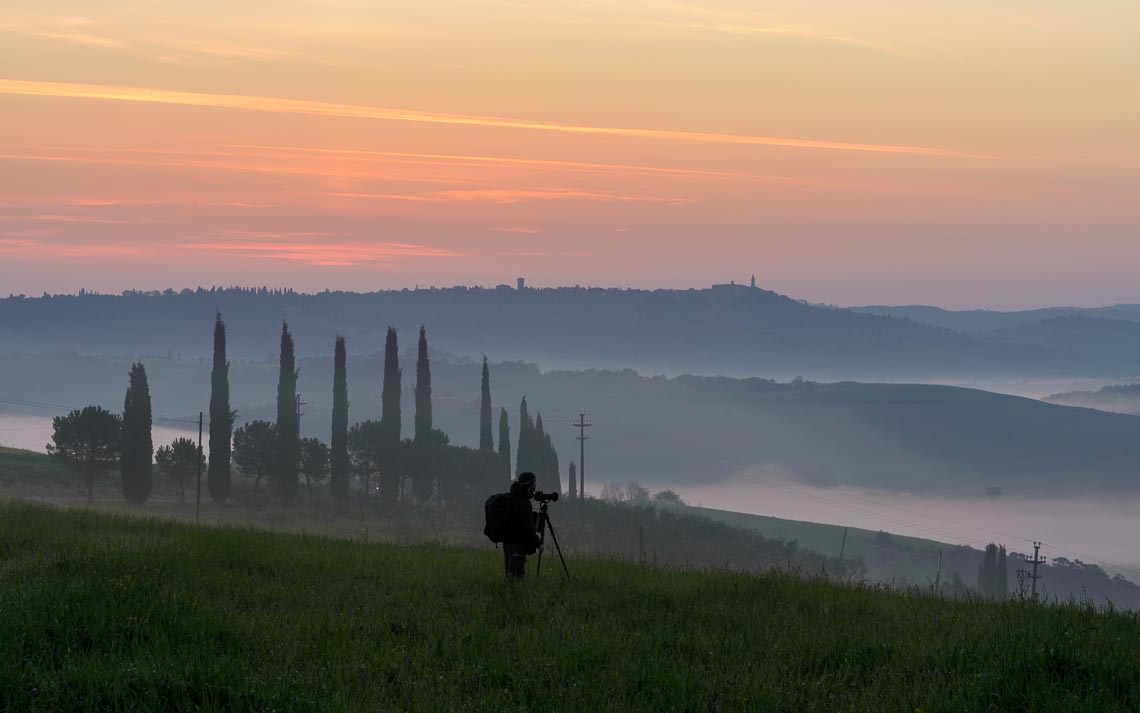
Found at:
<point>112,612</point>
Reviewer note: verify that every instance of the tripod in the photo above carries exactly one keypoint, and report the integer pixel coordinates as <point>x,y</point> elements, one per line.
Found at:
<point>543,525</point>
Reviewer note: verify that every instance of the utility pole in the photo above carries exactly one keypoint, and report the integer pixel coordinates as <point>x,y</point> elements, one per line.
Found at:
<point>1036,561</point>
<point>582,425</point>
<point>198,499</point>
<point>300,403</point>
<point>843,546</point>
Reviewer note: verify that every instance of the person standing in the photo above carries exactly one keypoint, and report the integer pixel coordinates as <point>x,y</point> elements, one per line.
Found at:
<point>520,539</point>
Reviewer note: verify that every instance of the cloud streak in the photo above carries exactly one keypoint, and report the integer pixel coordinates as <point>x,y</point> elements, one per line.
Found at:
<point>66,32</point>
<point>509,196</point>
<point>553,164</point>
<point>520,229</point>
<point>301,106</point>
<point>321,254</point>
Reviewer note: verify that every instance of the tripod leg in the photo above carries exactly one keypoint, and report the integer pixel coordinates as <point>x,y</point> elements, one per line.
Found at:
<point>541,541</point>
<point>557,548</point>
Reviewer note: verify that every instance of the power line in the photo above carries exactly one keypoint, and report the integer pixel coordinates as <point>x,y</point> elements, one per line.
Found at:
<point>61,407</point>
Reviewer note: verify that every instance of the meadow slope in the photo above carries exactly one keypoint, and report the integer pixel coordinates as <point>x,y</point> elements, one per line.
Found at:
<point>113,612</point>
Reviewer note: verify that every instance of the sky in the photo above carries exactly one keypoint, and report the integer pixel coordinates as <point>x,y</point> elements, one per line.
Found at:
<point>968,154</point>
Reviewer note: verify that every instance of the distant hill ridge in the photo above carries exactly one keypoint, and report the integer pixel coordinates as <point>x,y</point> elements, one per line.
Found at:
<point>726,329</point>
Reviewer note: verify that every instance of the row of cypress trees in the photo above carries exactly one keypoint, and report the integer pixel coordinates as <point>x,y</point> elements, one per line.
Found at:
<point>535,448</point>
<point>136,452</point>
<point>993,575</point>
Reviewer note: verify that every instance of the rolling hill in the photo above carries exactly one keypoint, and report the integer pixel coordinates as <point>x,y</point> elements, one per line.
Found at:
<point>684,430</point>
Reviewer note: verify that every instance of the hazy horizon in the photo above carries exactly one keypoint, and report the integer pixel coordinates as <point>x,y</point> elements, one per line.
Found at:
<point>511,282</point>
<point>885,154</point>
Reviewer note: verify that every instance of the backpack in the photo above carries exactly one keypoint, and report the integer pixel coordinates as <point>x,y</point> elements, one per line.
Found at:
<point>497,510</point>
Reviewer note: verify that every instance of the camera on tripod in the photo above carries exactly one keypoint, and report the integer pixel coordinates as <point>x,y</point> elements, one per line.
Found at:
<point>541,497</point>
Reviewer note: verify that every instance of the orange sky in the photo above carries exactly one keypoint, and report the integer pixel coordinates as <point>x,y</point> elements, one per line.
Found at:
<point>964,155</point>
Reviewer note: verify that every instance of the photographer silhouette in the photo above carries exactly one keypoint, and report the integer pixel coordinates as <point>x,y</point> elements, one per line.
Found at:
<point>511,520</point>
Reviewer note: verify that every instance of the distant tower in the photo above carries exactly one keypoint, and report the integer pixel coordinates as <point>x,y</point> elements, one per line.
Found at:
<point>522,284</point>
<point>753,281</point>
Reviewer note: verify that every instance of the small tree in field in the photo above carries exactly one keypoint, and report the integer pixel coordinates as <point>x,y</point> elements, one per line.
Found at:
<point>178,461</point>
<point>314,463</point>
<point>668,499</point>
<point>368,443</point>
<point>255,449</point>
<point>630,492</point>
<point>87,440</point>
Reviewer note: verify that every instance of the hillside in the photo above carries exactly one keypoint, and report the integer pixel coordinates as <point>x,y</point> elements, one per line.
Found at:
<point>984,320</point>
<point>911,561</point>
<point>665,536</point>
<point>1101,341</point>
<point>726,329</point>
<point>165,616</point>
<point>1119,398</point>
<point>684,537</point>
<point>683,430</point>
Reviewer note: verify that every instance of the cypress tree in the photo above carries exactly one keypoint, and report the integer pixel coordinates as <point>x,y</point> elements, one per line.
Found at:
<point>423,392</point>
<point>552,469</point>
<point>522,456</point>
<point>390,397</point>
<point>338,457</point>
<point>537,446</point>
<point>390,423</point>
<point>987,574</point>
<point>505,439</point>
<point>1002,588</point>
<point>138,448</point>
<point>573,480</point>
<point>288,436</point>
<point>221,418</point>
<point>486,441</point>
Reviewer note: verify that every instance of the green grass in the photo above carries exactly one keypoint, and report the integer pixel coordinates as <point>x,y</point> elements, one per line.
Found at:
<point>28,471</point>
<point>30,464</point>
<point>113,612</point>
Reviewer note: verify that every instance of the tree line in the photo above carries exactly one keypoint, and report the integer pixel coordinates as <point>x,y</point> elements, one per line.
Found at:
<point>368,462</point>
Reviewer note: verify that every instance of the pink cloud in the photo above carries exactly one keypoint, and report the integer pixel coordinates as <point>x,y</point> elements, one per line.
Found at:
<point>514,195</point>
<point>524,229</point>
<point>87,219</point>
